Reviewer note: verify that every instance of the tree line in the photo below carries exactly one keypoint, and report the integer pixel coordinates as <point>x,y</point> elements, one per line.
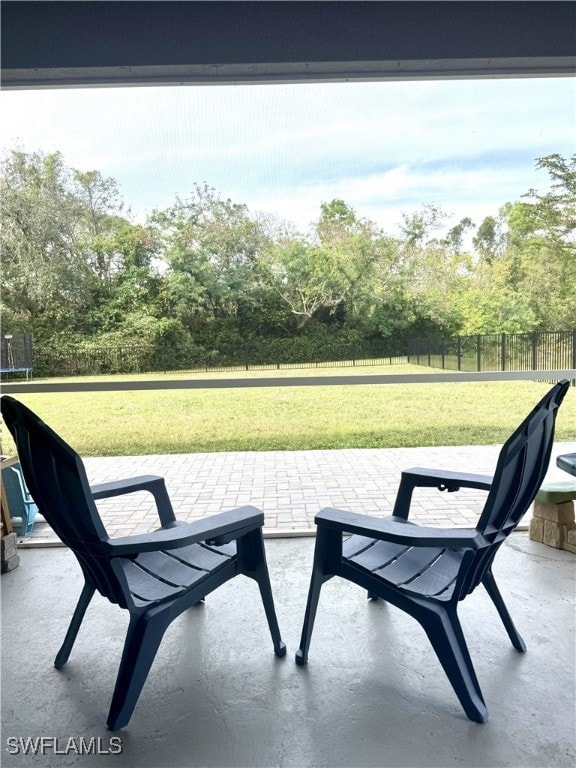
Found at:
<point>78,272</point>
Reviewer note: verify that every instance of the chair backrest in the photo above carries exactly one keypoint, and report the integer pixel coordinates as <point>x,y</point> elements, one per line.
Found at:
<point>521,468</point>
<point>56,479</point>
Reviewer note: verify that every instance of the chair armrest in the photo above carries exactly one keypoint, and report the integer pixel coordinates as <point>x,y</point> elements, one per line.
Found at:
<point>152,483</point>
<point>444,480</point>
<point>225,526</point>
<point>398,530</point>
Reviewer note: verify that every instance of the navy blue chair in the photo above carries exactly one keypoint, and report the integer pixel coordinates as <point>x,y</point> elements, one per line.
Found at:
<point>427,571</point>
<point>155,576</point>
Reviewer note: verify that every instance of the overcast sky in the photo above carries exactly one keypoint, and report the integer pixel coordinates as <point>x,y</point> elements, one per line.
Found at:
<point>385,148</point>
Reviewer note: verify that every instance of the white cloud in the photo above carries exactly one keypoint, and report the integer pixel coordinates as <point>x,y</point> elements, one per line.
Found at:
<point>383,147</point>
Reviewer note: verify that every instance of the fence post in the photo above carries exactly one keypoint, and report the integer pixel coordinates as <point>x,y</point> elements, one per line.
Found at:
<point>503,352</point>
<point>534,348</point>
<point>443,353</point>
<point>478,353</point>
<point>459,352</point>
<point>574,348</point>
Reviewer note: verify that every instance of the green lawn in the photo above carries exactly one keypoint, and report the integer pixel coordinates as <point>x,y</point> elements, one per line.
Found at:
<point>293,418</point>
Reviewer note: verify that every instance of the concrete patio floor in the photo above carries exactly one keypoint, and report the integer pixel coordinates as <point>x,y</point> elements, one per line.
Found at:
<point>372,694</point>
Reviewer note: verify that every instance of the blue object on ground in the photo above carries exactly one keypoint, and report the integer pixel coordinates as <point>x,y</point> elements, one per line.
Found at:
<point>21,506</point>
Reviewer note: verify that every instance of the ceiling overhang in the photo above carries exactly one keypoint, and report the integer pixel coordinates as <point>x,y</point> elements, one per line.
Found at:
<point>55,44</point>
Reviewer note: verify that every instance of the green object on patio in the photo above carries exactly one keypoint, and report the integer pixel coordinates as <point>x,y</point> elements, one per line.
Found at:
<point>557,493</point>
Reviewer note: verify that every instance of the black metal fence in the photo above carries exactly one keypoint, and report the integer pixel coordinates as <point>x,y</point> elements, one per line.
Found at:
<point>497,352</point>
<point>275,354</point>
<point>93,362</point>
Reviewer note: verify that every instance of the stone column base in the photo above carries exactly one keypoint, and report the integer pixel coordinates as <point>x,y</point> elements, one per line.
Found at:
<point>10,558</point>
<point>553,523</point>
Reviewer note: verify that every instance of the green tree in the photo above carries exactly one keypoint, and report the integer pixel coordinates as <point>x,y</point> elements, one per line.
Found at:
<point>418,227</point>
<point>213,250</point>
<point>541,246</point>
<point>436,271</point>
<point>72,265</point>
<point>303,279</point>
<point>336,273</point>
<point>489,240</point>
<point>100,220</point>
<point>553,214</point>
<point>489,302</point>
<point>46,280</point>
<point>454,240</point>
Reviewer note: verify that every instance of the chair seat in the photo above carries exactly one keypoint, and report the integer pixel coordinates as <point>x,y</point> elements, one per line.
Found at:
<point>154,577</point>
<point>426,571</point>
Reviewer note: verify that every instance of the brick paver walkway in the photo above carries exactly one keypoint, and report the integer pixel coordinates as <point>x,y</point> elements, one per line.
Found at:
<point>291,486</point>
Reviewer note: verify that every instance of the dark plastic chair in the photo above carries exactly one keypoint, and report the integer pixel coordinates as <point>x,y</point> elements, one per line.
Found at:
<point>155,576</point>
<point>426,571</point>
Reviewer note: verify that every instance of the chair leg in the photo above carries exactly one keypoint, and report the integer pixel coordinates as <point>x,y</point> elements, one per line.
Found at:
<point>145,632</point>
<point>442,626</point>
<point>83,602</point>
<point>327,559</point>
<point>263,579</point>
<point>252,561</point>
<point>313,596</point>
<point>491,587</point>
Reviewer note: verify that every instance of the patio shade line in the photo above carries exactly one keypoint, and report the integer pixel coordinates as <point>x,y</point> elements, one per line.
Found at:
<point>291,381</point>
